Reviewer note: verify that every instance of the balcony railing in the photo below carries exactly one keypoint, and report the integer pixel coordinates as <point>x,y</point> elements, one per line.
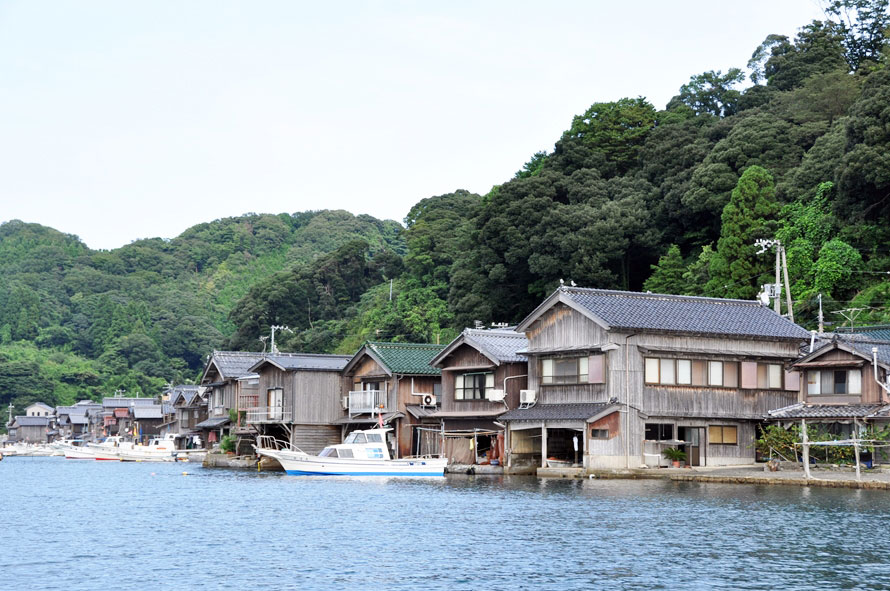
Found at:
<point>367,401</point>
<point>246,401</point>
<point>269,414</point>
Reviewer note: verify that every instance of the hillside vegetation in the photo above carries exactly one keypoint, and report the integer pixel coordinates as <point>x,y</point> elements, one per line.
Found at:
<point>792,147</point>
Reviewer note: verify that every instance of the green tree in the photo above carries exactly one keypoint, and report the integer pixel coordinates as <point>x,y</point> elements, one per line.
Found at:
<point>616,130</point>
<point>711,92</point>
<point>667,275</point>
<point>737,271</point>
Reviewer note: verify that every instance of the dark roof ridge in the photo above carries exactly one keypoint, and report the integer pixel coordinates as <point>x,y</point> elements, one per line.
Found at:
<point>660,296</point>
<point>397,344</point>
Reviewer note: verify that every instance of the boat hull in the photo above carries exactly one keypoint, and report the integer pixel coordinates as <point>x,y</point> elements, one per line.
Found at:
<point>304,465</point>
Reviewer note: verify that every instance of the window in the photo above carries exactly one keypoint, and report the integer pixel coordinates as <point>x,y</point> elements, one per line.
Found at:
<point>723,434</point>
<point>328,452</point>
<point>375,453</point>
<point>688,372</point>
<point>564,370</point>
<point>599,433</point>
<point>344,453</point>
<point>684,371</point>
<point>659,432</point>
<point>472,386</point>
<point>715,373</point>
<point>356,437</point>
<point>838,381</point>
<point>374,438</point>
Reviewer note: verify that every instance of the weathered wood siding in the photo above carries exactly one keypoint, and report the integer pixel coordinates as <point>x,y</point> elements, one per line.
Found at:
<point>563,329</point>
<point>314,438</point>
<point>467,356</point>
<point>316,397</point>
<point>872,393</point>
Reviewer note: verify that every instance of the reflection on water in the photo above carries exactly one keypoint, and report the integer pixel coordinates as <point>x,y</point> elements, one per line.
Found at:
<point>92,525</point>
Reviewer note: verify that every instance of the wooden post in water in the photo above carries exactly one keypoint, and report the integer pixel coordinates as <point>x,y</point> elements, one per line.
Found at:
<point>856,450</point>
<point>543,444</point>
<point>806,448</point>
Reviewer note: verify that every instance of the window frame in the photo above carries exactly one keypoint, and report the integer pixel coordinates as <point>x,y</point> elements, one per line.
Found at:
<point>723,428</point>
<point>580,376</point>
<point>477,392</point>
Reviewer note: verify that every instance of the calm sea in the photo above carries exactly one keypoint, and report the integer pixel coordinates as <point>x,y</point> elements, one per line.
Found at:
<point>106,525</point>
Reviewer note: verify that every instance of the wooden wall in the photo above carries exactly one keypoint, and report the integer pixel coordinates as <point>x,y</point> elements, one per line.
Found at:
<point>314,438</point>
<point>313,397</point>
<point>467,356</point>
<point>872,393</point>
<point>562,328</point>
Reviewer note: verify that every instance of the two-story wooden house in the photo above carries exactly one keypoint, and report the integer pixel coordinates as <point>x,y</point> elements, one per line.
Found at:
<point>483,371</point>
<point>614,377</point>
<point>392,380</point>
<point>230,385</point>
<point>300,399</point>
<point>843,387</point>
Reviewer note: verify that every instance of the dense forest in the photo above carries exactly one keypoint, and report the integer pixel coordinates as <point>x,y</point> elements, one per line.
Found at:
<point>794,147</point>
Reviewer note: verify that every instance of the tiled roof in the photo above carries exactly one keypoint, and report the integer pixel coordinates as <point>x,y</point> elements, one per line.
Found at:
<point>32,421</point>
<point>544,412</point>
<point>627,310</point>
<point>212,423</point>
<point>865,347</point>
<point>407,358</point>
<point>234,364</point>
<point>148,412</point>
<point>126,402</point>
<point>502,344</point>
<point>79,420</point>
<point>305,361</point>
<point>803,410</point>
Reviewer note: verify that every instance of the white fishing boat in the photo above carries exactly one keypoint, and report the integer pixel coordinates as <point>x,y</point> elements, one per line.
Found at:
<point>364,453</point>
<point>159,449</point>
<point>109,449</point>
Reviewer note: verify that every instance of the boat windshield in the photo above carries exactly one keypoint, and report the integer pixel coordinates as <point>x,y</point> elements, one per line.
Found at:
<point>328,452</point>
<point>356,437</point>
<point>375,438</point>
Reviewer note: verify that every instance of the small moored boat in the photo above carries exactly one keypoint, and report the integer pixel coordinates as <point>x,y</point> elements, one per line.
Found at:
<point>364,453</point>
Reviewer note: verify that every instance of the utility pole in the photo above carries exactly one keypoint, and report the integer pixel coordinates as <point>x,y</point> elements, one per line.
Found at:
<point>274,327</point>
<point>781,265</point>
<point>11,407</point>
<point>821,318</point>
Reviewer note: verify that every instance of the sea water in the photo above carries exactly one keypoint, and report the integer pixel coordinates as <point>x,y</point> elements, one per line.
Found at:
<point>84,525</point>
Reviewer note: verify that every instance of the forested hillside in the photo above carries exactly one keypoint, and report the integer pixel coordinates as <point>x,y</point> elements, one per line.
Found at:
<point>793,146</point>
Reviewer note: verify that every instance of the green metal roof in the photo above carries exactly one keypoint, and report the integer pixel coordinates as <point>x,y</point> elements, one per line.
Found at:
<point>880,332</point>
<point>407,358</point>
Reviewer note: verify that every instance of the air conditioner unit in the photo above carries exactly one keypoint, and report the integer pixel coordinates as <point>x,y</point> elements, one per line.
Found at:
<point>428,400</point>
<point>528,396</point>
<point>495,395</point>
<point>344,402</point>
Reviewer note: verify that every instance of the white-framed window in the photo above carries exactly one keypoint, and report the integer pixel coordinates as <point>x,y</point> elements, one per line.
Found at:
<point>691,372</point>
<point>472,386</point>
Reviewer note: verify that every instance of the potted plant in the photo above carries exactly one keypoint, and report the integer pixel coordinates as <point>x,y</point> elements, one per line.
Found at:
<point>674,455</point>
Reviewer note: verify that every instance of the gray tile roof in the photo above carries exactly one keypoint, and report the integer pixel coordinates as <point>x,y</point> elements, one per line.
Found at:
<point>126,402</point>
<point>864,348</point>
<point>544,412</point>
<point>306,361</point>
<point>212,423</point>
<point>503,344</point>
<point>148,412</point>
<point>683,314</point>
<point>24,421</point>
<point>804,410</point>
<point>234,364</point>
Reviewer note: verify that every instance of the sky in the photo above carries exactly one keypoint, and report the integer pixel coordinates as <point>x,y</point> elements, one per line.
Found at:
<point>129,120</point>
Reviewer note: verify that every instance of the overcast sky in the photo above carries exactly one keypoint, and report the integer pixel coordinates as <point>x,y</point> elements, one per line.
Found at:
<point>126,120</point>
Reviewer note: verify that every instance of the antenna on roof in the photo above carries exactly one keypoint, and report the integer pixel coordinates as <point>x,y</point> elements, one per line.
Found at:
<point>264,339</point>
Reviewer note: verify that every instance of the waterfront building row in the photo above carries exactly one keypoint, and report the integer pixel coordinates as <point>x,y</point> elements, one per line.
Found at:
<point>594,379</point>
